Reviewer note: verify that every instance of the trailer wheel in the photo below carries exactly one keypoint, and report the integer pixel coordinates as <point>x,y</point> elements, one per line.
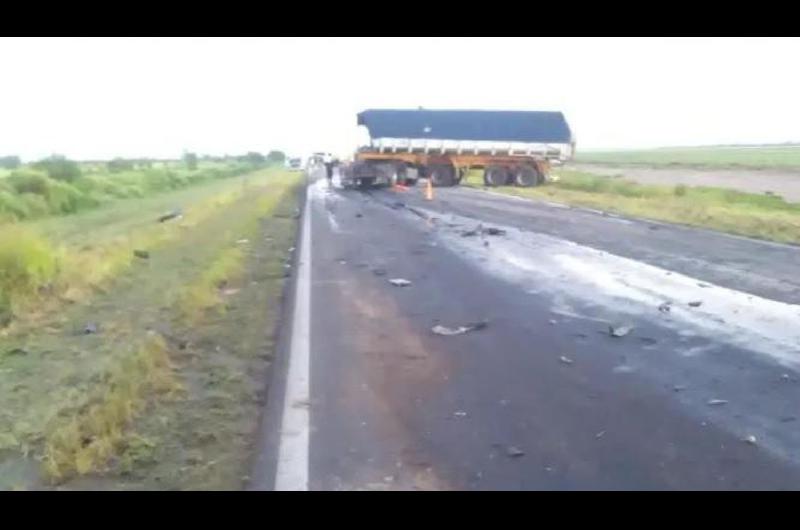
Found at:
<point>527,176</point>
<point>495,176</point>
<point>442,175</point>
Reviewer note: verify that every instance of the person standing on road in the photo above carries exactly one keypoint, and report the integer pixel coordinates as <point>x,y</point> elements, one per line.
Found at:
<point>330,163</point>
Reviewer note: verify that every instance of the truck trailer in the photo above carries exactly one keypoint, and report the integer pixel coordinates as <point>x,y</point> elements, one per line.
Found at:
<point>511,147</point>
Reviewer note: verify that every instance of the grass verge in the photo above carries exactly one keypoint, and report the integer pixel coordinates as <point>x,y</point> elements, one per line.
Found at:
<point>152,399</point>
<point>749,214</point>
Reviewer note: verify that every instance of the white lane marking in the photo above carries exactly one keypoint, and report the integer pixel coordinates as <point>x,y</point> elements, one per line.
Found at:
<point>292,469</point>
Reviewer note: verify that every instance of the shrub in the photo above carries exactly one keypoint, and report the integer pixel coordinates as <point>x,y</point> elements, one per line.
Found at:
<point>27,263</point>
<point>59,168</point>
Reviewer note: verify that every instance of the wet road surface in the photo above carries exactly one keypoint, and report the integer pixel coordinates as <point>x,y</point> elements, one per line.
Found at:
<point>693,396</point>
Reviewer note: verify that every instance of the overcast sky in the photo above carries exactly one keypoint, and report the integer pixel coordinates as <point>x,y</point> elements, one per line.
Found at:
<point>106,97</point>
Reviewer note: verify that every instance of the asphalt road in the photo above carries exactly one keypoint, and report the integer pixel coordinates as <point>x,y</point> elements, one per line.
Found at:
<point>543,396</point>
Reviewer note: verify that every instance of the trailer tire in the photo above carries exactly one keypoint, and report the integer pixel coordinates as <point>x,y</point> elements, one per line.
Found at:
<point>527,176</point>
<point>495,176</point>
<point>442,175</point>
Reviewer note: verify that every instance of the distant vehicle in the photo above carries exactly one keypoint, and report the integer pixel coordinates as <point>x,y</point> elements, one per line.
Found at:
<point>443,145</point>
<point>294,164</point>
<point>319,159</point>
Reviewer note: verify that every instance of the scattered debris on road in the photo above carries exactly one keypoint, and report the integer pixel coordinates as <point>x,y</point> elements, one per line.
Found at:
<point>460,414</point>
<point>400,282</point>
<point>142,254</point>
<point>750,439</point>
<point>665,307</point>
<point>696,303</point>
<point>444,330</point>
<point>599,435</point>
<point>714,402</point>
<point>619,331</point>
<point>565,360</point>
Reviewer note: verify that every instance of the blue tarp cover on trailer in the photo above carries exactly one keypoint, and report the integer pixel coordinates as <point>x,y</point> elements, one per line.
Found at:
<point>486,125</point>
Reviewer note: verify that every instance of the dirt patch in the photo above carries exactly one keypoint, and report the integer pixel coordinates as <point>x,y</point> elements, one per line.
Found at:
<point>783,183</point>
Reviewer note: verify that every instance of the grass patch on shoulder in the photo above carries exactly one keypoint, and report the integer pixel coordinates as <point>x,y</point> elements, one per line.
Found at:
<point>87,439</point>
<point>749,214</point>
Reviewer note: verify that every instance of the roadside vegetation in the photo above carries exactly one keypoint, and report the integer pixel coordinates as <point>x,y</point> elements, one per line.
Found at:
<point>757,157</point>
<point>133,351</point>
<point>749,214</point>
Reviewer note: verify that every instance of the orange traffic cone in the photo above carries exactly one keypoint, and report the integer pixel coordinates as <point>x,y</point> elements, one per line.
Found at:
<point>429,190</point>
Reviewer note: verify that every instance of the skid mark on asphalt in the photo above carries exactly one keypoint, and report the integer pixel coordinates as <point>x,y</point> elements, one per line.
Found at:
<point>397,367</point>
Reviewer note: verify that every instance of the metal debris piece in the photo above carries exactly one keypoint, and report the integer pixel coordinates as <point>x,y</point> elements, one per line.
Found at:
<point>565,360</point>
<point>696,303</point>
<point>619,331</point>
<point>717,402</point>
<point>599,435</point>
<point>174,214</point>
<point>514,452</point>
<point>400,282</point>
<point>445,331</point>
<point>750,439</point>
<point>460,413</point>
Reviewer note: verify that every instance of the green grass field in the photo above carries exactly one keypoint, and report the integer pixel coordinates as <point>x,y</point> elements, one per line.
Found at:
<point>164,392</point>
<point>756,215</point>
<point>711,157</point>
